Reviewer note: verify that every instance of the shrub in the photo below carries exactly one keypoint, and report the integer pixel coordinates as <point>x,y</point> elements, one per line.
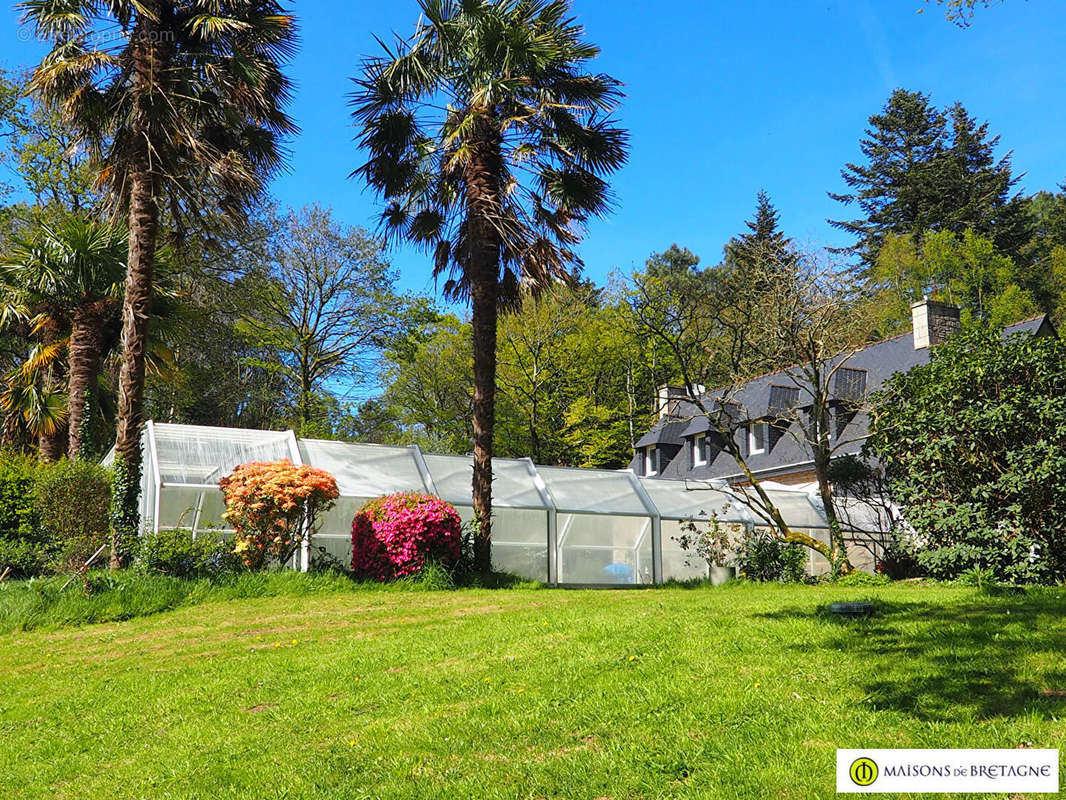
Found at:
<point>399,534</point>
<point>764,557</point>
<point>973,446</point>
<point>24,558</point>
<point>897,561</point>
<point>24,549</point>
<point>177,553</point>
<point>271,504</point>
<point>710,541</point>
<point>73,501</point>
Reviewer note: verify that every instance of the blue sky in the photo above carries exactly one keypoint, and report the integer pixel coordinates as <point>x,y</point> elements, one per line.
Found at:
<point>723,98</point>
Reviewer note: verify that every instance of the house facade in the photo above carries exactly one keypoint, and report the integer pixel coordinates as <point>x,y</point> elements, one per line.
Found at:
<point>682,444</point>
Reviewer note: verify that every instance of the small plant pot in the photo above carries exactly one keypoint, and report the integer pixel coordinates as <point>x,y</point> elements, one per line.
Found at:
<point>720,575</point>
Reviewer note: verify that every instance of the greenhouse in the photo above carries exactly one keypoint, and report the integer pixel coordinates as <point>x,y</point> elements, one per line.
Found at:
<point>559,525</point>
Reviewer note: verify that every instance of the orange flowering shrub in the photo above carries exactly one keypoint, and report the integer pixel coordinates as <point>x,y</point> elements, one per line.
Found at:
<point>269,503</point>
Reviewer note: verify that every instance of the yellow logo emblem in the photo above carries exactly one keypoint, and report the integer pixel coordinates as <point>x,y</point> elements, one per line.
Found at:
<point>863,771</point>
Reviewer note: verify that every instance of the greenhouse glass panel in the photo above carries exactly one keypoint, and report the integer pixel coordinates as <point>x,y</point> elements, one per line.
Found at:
<point>682,500</point>
<point>519,541</point>
<point>679,564</point>
<point>519,517</point>
<point>795,506</point>
<point>192,508</point>
<point>604,549</point>
<point>198,454</point>
<point>365,470</point>
<point>513,484</point>
<point>593,490</point>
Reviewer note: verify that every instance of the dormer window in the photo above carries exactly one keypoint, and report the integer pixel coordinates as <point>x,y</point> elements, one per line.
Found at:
<point>850,385</point>
<point>699,450</point>
<point>783,399</point>
<point>758,436</point>
<point>651,460</point>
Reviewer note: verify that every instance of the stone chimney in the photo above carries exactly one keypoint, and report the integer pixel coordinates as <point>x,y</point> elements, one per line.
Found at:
<point>667,400</point>
<point>933,322</point>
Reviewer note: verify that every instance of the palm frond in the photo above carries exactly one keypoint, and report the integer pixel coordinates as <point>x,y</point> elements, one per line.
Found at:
<point>480,77</point>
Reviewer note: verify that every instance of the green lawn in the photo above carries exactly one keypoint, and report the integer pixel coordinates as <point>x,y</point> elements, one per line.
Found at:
<point>743,691</point>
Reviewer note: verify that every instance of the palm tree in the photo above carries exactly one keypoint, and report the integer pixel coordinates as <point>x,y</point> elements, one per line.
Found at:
<point>71,270</point>
<point>34,411</point>
<point>180,105</point>
<point>489,140</point>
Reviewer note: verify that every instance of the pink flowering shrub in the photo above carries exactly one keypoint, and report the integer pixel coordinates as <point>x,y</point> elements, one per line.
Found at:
<point>270,502</point>
<point>396,535</point>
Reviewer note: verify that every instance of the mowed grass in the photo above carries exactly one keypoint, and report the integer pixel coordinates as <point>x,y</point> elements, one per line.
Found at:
<point>743,691</point>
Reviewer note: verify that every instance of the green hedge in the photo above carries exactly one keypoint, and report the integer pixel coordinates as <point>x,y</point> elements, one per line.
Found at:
<point>52,516</point>
<point>22,543</point>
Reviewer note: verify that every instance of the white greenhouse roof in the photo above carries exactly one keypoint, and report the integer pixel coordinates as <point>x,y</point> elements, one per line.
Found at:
<point>197,454</point>
<point>514,482</point>
<point>365,470</point>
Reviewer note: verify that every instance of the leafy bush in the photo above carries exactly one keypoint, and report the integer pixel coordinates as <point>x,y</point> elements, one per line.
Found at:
<point>270,505</point>
<point>177,553</point>
<point>73,500</point>
<point>973,445</point>
<point>764,557</point>
<point>24,558</point>
<point>23,547</point>
<point>898,562</point>
<point>398,535</point>
<point>710,541</point>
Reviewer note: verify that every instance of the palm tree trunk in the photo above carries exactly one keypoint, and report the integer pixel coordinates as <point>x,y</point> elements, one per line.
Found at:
<point>482,265</point>
<point>151,56</point>
<point>136,307</point>
<point>51,445</point>
<point>86,345</point>
<point>484,318</point>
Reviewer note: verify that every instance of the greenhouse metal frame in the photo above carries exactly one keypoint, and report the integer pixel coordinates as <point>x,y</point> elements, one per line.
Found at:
<point>558,525</point>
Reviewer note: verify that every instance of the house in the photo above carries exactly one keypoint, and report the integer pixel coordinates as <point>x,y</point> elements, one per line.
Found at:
<point>681,444</point>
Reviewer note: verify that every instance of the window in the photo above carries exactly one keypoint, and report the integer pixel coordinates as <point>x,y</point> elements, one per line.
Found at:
<point>651,460</point>
<point>757,436</point>
<point>850,384</point>
<point>783,399</point>
<point>699,449</point>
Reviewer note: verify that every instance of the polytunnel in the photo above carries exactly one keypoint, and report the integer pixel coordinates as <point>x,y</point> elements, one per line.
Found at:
<point>558,525</point>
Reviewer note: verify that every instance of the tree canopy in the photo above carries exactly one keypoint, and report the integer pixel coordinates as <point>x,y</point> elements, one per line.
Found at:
<point>973,445</point>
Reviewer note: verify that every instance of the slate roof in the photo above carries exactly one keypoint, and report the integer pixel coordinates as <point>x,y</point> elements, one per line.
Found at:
<point>784,453</point>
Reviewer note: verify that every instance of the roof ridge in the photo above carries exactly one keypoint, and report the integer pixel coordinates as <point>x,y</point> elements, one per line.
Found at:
<point>866,346</point>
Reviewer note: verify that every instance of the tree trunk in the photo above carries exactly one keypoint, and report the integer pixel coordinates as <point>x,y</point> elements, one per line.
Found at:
<point>51,446</point>
<point>149,65</point>
<point>484,318</point>
<point>86,345</point>
<point>482,266</point>
<point>838,557</point>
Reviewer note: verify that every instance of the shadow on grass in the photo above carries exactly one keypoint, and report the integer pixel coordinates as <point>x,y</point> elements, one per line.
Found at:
<point>977,658</point>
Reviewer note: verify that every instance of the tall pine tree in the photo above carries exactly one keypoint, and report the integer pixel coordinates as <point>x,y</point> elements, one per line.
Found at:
<point>929,170</point>
<point>764,243</point>
<point>763,249</point>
